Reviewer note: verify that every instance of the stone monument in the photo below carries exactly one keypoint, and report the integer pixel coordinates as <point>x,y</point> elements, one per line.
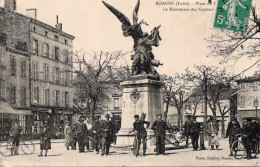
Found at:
<point>142,90</point>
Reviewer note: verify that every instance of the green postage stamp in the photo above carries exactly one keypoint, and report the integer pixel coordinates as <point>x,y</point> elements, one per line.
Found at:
<point>233,15</point>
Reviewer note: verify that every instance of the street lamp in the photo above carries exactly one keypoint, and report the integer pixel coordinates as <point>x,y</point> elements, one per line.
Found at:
<point>256,105</point>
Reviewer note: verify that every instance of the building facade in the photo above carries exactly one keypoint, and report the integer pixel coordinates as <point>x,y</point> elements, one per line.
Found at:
<point>36,71</point>
<point>51,73</point>
<point>247,95</point>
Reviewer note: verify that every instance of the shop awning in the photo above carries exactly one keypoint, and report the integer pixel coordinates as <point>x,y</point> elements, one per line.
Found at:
<point>5,108</point>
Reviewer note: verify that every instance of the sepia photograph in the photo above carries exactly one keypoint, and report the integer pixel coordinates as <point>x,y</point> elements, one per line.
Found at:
<point>129,83</point>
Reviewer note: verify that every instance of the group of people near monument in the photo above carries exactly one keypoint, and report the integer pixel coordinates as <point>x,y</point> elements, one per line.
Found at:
<point>99,134</point>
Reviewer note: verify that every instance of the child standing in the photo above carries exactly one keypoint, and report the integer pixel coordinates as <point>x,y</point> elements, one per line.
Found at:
<point>45,141</point>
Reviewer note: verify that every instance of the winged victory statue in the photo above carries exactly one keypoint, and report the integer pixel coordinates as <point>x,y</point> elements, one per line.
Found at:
<point>143,58</point>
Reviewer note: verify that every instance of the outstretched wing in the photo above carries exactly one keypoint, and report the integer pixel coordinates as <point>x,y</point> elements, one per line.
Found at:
<point>123,19</point>
<point>135,13</point>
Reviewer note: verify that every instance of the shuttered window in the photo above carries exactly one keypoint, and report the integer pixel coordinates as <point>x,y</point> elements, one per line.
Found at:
<point>13,66</point>
<point>23,68</point>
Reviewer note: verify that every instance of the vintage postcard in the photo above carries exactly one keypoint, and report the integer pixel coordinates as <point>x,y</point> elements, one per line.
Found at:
<point>129,83</point>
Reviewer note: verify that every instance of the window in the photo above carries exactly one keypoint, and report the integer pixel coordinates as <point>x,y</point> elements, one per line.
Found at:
<point>57,97</point>
<point>36,47</point>
<point>46,72</point>
<point>56,38</point>
<point>47,97</point>
<point>242,102</point>
<point>66,99</point>
<point>67,78</point>
<point>46,33</point>
<point>47,50</point>
<point>66,56</point>
<point>56,53</point>
<point>23,68</point>
<point>116,103</point>
<point>35,70</point>
<point>13,66</point>
<point>63,76</point>
<point>57,71</point>
<point>34,29</point>
<point>23,96</point>
<point>36,95</point>
<point>66,41</point>
<point>13,94</point>
<point>243,86</point>
<point>255,87</point>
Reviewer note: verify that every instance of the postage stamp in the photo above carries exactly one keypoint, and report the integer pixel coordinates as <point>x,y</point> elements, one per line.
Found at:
<point>232,15</point>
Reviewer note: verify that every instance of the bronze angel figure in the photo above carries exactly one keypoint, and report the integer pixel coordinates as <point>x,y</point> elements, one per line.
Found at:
<point>143,59</point>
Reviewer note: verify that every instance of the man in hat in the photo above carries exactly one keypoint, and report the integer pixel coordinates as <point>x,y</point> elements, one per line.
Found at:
<point>186,127</point>
<point>140,132</point>
<point>97,134</point>
<point>15,132</point>
<point>232,130</point>
<point>106,134</point>
<point>256,128</point>
<point>160,127</point>
<point>194,133</point>
<point>248,136</point>
<point>45,140</point>
<point>81,131</point>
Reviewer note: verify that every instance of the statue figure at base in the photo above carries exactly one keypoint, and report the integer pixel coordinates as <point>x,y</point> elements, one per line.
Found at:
<point>143,58</point>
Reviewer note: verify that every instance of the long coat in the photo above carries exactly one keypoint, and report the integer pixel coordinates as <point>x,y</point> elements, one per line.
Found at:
<point>212,130</point>
<point>106,129</point>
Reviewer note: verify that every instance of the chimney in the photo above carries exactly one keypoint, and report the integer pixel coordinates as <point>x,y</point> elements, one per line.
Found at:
<point>32,13</point>
<point>58,25</point>
<point>10,5</point>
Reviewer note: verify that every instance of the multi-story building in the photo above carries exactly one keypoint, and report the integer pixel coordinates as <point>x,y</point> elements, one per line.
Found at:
<point>36,69</point>
<point>51,72</point>
<point>248,96</point>
<point>14,65</point>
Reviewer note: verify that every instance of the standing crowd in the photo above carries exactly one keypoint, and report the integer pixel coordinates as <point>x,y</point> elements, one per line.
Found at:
<point>99,134</point>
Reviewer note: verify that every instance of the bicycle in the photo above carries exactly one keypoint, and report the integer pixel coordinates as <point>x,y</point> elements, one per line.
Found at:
<point>26,146</point>
<point>238,150</point>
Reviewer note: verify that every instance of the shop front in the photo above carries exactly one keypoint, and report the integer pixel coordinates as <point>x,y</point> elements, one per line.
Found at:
<point>7,116</point>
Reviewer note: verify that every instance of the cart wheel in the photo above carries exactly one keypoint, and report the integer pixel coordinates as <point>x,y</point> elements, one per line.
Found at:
<point>5,148</point>
<point>27,147</point>
<point>238,149</point>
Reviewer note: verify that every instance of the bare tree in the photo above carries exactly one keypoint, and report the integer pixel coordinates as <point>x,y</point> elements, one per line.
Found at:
<point>223,111</point>
<point>174,89</point>
<point>231,46</point>
<point>93,79</point>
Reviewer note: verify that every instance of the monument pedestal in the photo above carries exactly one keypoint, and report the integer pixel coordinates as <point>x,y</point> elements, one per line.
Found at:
<point>141,94</point>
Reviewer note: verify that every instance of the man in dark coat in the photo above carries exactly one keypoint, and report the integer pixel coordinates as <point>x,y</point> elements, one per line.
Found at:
<point>186,128</point>
<point>194,133</point>
<point>97,134</point>
<point>140,132</point>
<point>233,130</point>
<point>256,128</point>
<point>81,131</point>
<point>248,136</point>
<point>106,134</point>
<point>160,127</point>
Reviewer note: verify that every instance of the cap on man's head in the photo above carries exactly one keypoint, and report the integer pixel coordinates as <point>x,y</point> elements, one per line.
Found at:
<point>159,115</point>
<point>136,116</point>
<point>107,116</point>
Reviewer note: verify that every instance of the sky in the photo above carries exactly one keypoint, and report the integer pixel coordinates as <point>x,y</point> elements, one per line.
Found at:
<point>97,29</point>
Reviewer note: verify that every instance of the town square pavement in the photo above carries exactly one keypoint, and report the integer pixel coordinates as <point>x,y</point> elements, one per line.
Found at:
<point>59,156</point>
